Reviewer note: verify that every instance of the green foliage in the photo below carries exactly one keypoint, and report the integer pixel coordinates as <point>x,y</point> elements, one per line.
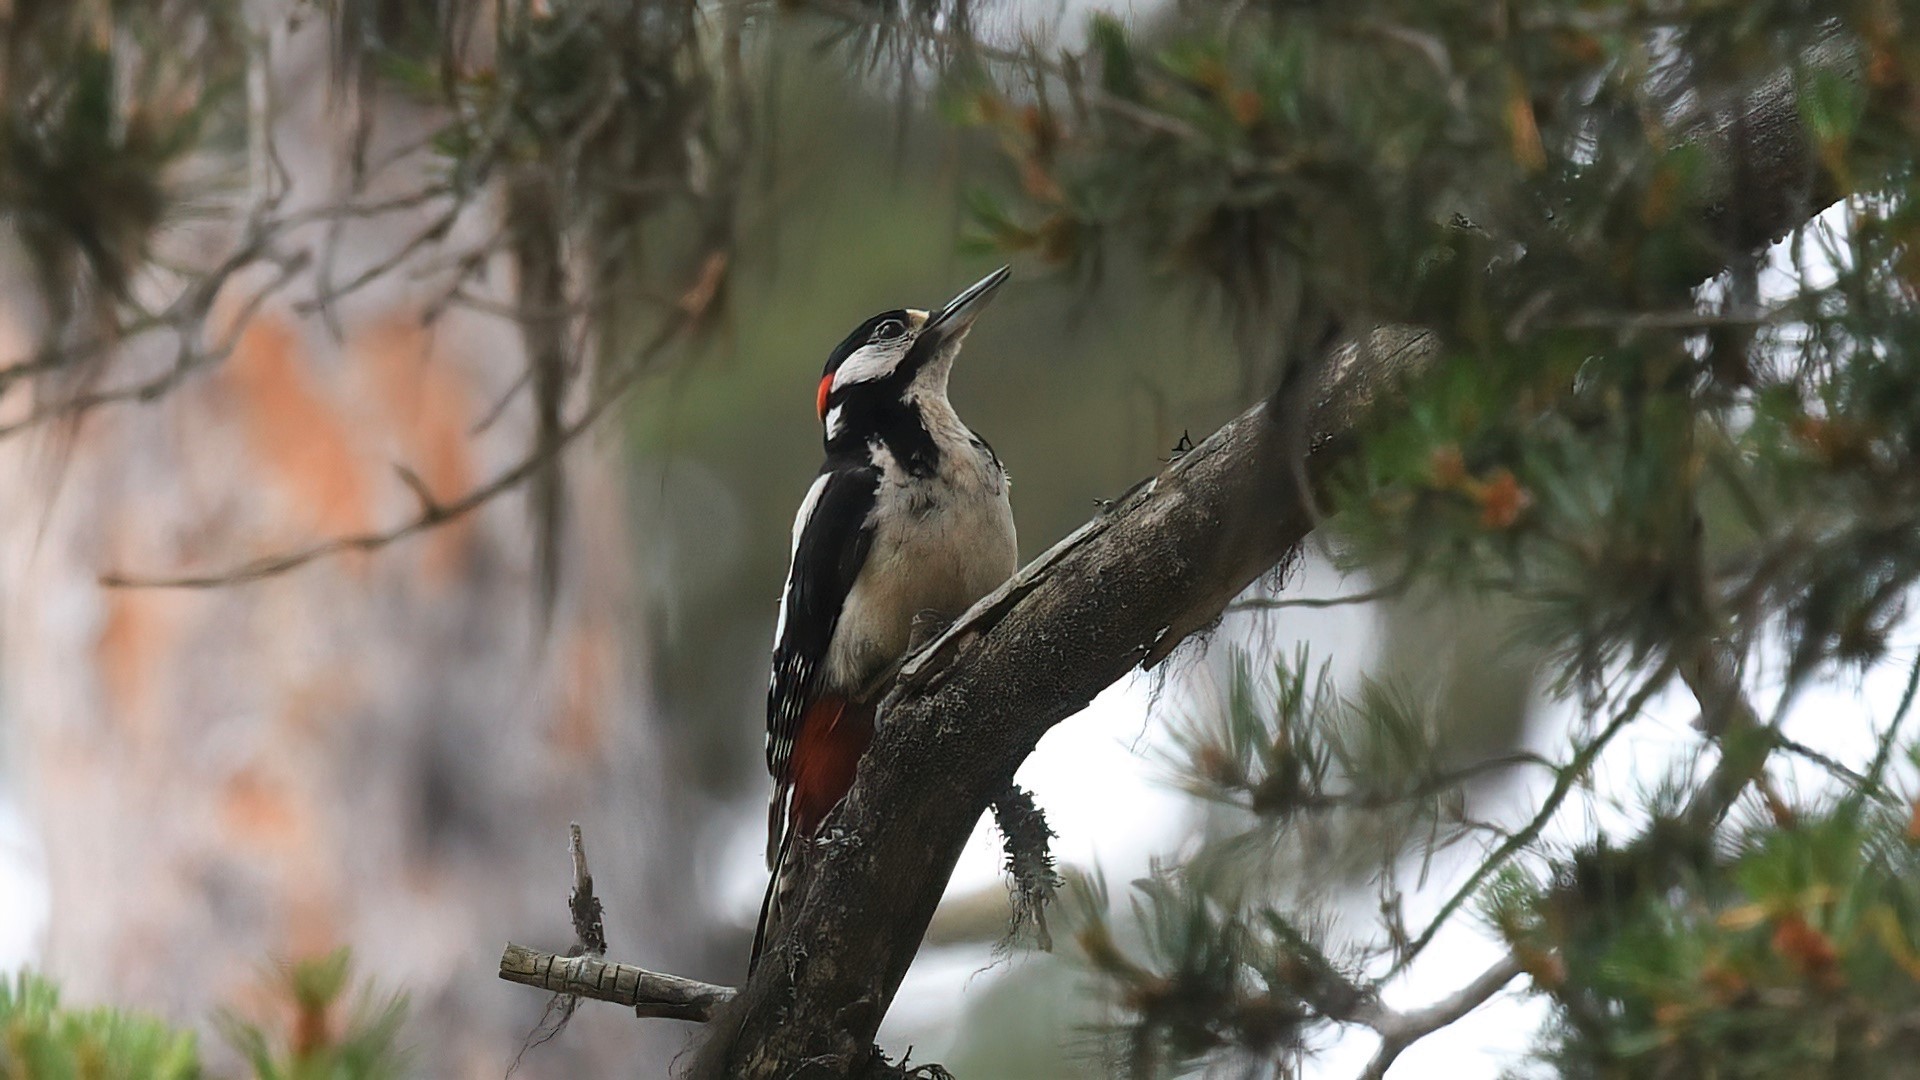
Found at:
<point>1792,955</point>
<point>1215,980</point>
<point>1313,163</point>
<point>1293,756</point>
<point>1222,961</point>
<point>627,122</point>
<point>319,1043</point>
<point>41,1040</point>
<point>1595,435</point>
<point>95,128</point>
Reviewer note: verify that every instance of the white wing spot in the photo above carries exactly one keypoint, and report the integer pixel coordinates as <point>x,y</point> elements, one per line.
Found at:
<point>807,506</point>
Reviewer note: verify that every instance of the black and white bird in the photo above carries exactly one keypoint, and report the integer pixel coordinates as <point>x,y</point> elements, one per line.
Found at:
<point>908,519</point>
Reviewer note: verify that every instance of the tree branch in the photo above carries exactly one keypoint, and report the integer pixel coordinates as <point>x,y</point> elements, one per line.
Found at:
<point>1728,718</point>
<point>647,993</point>
<point>1400,1030</point>
<point>1122,591</point>
<point>543,455</point>
<point>1573,772</point>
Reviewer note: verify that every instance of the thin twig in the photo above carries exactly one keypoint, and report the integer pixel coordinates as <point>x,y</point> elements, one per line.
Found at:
<point>1276,603</point>
<point>1431,785</point>
<point>271,565</point>
<point>589,941</point>
<point>1563,783</point>
<point>1400,1030</point>
<point>1133,112</point>
<point>1885,753</point>
<point>328,293</point>
<point>647,993</point>
<point>1832,765</point>
<point>589,924</point>
<point>1730,720</point>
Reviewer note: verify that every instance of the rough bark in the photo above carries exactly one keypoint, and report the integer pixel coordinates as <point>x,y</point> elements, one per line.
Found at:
<point>1124,590</point>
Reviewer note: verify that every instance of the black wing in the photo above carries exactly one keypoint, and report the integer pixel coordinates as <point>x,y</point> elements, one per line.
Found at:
<point>830,542</point>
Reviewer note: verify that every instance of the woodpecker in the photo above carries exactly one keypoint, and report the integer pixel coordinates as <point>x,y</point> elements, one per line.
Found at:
<point>908,519</point>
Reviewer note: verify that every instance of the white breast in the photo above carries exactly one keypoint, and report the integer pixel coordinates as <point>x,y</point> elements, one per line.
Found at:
<point>939,544</point>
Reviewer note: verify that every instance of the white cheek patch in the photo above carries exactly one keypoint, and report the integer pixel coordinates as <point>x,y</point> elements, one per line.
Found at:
<point>833,421</point>
<point>870,363</point>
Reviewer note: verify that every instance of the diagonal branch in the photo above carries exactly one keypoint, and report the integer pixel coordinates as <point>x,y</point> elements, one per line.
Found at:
<point>1121,592</point>
<point>1565,777</point>
<point>1729,718</point>
<point>1124,590</point>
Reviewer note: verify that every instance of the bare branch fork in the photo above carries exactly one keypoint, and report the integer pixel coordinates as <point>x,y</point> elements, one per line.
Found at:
<point>582,973</point>
<point>1399,1030</point>
<point>1123,591</point>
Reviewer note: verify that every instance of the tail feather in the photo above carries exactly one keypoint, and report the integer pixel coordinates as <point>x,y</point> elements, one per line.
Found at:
<point>776,817</point>
<point>833,735</point>
<point>772,905</point>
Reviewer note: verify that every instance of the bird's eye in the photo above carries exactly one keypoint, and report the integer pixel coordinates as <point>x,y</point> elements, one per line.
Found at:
<point>888,330</point>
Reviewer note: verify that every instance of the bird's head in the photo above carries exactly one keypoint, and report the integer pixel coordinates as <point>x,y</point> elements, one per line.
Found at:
<point>898,356</point>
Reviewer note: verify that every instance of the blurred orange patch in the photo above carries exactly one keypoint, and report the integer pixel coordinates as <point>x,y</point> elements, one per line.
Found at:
<point>428,410</point>
<point>1807,949</point>
<point>1502,500</point>
<point>258,812</point>
<point>134,642</point>
<point>299,438</point>
<point>590,655</point>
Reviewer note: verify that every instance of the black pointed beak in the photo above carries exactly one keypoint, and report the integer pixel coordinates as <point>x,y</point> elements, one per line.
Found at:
<point>957,316</point>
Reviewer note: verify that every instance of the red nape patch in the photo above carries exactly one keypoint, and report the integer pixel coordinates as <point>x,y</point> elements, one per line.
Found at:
<point>826,387</point>
<point>833,734</point>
